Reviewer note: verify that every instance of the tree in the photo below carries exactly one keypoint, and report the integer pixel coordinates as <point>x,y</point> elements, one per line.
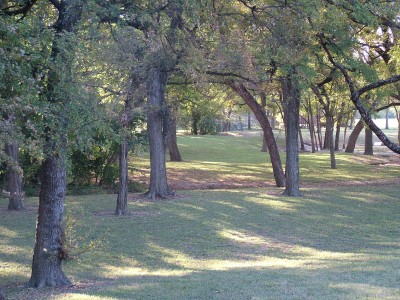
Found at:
<point>49,251</point>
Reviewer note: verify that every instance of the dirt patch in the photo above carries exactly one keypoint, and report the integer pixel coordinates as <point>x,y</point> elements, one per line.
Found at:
<point>131,214</point>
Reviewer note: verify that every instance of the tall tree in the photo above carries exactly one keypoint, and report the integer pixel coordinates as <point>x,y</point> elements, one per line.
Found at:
<point>49,251</point>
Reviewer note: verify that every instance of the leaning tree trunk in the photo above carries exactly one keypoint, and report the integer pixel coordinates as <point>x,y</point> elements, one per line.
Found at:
<point>268,134</point>
<point>354,136</point>
<point>49,251</point>
<point>369,145</point>
<point>14,179</point>
<point>156,101</point>
<point>172,143</point>
<point>291,96</point>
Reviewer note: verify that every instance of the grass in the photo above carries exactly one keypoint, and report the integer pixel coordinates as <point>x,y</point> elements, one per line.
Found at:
<point>237,160</point>
<point>335,242</point>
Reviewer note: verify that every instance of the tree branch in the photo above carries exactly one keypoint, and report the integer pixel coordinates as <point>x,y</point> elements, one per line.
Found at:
<point>20,11</point>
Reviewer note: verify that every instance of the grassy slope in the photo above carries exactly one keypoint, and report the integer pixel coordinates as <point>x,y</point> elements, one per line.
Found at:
<point>341,242</point>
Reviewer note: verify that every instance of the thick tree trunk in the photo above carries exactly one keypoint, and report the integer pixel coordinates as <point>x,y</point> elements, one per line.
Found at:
<point>172,143</point>
<point>267,131</point>
<point>369,145</point>
<point>49,253</point>
<point>353,137</point>
<point>122,200</point>
<point>291,96</point>
<point>156,101</point>
<point>14,179</point>
<point>329,134</point>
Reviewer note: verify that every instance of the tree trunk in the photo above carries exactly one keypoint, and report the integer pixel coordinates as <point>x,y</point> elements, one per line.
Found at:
<point>122,200</point>
<point>291,96</point>
<point>264,147</point>
<point>387,119</point>
<point>172,143</point>
<point>267,131</point>
<point>319,129</point>
<point>369,145</point>
<point>311,125</point>
<point>49,252</point>
<point>330,142</point>
<point>353,137</point>
<point>14,179</point>
<point>249,121</point>
<point>302,148</point>
<point>156,101</point>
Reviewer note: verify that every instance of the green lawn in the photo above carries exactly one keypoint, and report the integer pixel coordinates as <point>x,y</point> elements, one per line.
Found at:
<point>336,242</point>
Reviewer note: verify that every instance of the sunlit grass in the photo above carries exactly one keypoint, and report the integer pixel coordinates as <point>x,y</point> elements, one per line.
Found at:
<point>224,244</point>
<point>211,160</point>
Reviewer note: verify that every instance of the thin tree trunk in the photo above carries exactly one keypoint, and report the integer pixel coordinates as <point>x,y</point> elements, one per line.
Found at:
<point>156,101</point>
<point>311,124</point>
<point>353,137</point>
<point>344,136</point>
<point>291,97</point>
<point>330,142</point>
<point>249,120</point>
<point>14,179</point>
<point>369,145</point>
<point>302,148</point>
<point>267,131</point>
<point>122,200</point>
<point>387,119</point>
<point>319,129</point>
<point>172,143</point>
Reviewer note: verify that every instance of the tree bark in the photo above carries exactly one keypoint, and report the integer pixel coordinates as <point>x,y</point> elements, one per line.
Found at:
<point>172,143</point>
<point>330,142</point>
<point>49,252</point>
<point>122,199</point>
<point>14,179</point>
<point>248,120</point>
<point>267,131</point>
<point>156,101</point>
<point>291,96</point>
<point>387,119</point>
<point>311,125</point>
<point>369,145</point>
<point>302,148</point>
<point>354,136</point>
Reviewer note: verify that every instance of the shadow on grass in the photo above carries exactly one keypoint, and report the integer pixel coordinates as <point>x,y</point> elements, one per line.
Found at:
<point>242,244</point>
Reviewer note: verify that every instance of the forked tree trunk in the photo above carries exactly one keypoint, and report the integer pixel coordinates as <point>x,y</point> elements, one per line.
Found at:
<point>291,96</point>
<point>268,134</point>
<point>369,145</point>
<point>353,137</point>
<point>49,253</point>
<point>14,179</point>
<point>156,101</point>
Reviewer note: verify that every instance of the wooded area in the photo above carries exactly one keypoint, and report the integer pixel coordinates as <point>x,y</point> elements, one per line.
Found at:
<point>84,85</point>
